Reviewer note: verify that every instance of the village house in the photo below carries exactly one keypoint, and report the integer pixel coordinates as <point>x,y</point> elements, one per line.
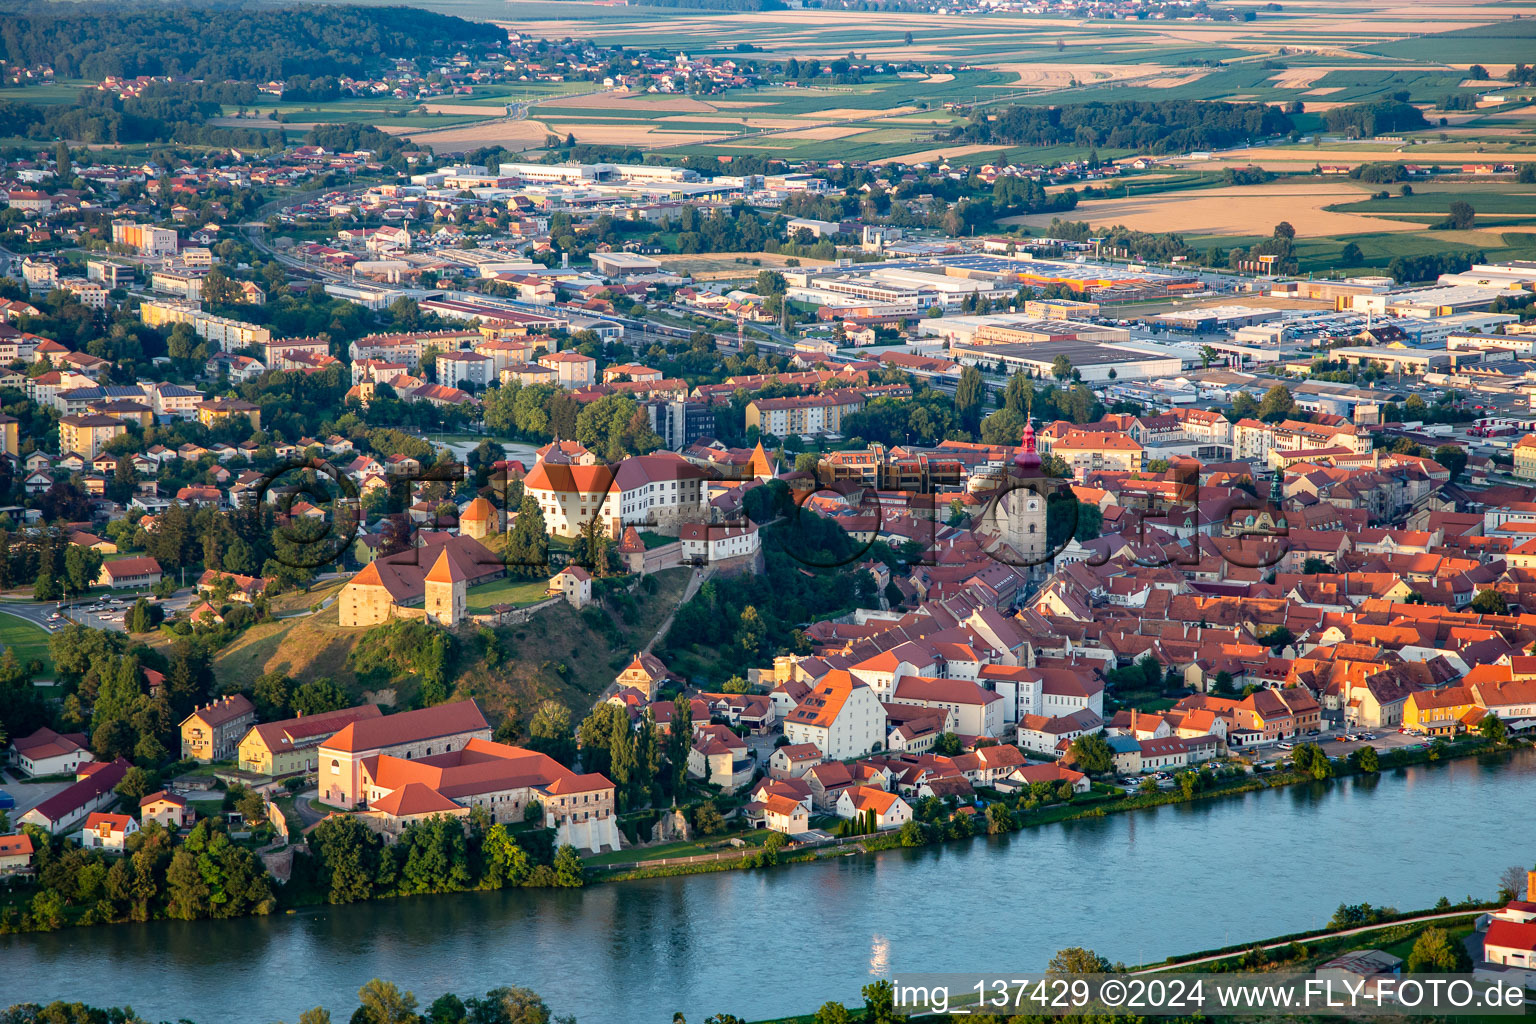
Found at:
<point>107,831</point>
<point>167,809</point>
<point>213,732</point>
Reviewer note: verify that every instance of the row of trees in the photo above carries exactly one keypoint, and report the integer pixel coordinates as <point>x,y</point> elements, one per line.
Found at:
<point>348,862</point>
<point>205,876</point>
<point>1161,126</point>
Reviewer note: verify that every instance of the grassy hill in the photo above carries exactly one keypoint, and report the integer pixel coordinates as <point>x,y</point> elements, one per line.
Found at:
<point>559,654</point>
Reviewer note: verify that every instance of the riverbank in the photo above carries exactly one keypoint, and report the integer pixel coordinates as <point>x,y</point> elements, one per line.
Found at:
<point>1105,804</point>
<point>1298,953</point>
<point>654,946</point>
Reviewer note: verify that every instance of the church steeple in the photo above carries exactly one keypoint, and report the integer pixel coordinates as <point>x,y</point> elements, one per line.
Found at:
<point>1027,457</point>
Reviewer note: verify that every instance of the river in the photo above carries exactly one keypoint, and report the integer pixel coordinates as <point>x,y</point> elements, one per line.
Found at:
<point>1134,886</point>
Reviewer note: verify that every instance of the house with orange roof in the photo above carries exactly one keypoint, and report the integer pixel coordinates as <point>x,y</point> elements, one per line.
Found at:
<point>1025,776</point>
<point>890,810</point>
<point>785,814</point>
<point>1440,712</point>
<point>15,853</point>
<point>501,780</point>
<point>841,716</point>
<point>407,734</point>
<point>646,673</point>
<point>793,760</point>
<point>719,757</point>
<point>108,832</point>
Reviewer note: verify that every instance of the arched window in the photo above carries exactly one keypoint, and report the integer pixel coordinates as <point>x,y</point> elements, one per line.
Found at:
<point>335,767</point>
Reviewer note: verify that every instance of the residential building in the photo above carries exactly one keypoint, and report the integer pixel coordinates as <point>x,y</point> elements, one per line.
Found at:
<point>213,732</point>
<point>61,812</point>
<point>107,831</point>
<point>86,435</point>
<point>46,752</point>
<point>168,809</point>
<point>410,735</point>
<point>841,717</point>
<point>293,746</point>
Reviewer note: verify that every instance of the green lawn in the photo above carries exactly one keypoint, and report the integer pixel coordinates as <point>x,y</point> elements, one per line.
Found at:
<point>30,641</point>
<point>507,590</point>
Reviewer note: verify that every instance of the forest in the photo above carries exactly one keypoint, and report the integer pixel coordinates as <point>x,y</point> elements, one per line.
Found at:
<point>1164,126</point>
<point>223,42</point>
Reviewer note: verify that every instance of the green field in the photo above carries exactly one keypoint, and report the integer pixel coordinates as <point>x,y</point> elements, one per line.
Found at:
<point>507,590</point>
<point>28,640</point>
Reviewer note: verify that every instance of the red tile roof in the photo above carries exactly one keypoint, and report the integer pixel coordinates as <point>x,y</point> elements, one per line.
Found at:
<point>409,726</point>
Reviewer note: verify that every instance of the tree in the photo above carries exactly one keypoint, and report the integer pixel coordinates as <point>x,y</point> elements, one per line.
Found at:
<point>1350,255</point>
<point>1077,960</point>
<point>1277,403</point>
<point>1462,215</point>
<point>1492,728</point>
<point>1367,760</point>
<point>969,393</point>
<point>1285,230</point>
<point>568,870</point>
<point>384,1003</point>
<point>550,732</point>
<point>508,1005</point>
<point>1489,602</point>
<point>1061,367</point>
<point>135,785</point>
<point>1512,883</point>
<point>1452,457</point>
<point>82,565</point>
<point>880,1003</point>
<point>1091,753</point>
<point>527,550</point>
<point>1434,952</point>
<point>836,1013</point>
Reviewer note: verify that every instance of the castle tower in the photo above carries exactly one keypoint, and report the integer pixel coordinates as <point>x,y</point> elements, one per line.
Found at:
<point>479,519</point>
<point>447,591</point>
<point>1021,513</point>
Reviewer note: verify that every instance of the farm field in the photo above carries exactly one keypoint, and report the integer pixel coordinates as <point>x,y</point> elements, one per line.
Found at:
<point>1236,210</point>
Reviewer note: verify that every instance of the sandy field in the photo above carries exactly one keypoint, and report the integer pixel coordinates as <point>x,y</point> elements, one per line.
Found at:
<point>1327,90</point>
<point>931,155</point>
<point>1238,210</point>
<point>1059,76</point>
<point>629,134</point>
<point>1298,78</point>
<point>524,134</point>
<point>482,109</point>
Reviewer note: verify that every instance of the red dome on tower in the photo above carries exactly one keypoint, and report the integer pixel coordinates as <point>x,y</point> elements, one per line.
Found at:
<point>1027,457</point>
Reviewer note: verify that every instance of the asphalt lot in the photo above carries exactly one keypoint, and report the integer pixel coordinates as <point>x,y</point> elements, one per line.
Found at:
<point>29,794</point>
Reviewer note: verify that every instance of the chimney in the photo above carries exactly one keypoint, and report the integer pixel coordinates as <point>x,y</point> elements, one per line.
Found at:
<point>1530,886</point>
<point>1133,723</point>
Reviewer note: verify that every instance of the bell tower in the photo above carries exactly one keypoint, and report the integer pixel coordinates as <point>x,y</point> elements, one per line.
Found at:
<point>1022,512</point>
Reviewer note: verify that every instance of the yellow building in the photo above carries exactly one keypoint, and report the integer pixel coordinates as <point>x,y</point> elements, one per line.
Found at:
<point>87,435</point>
<point>1438,712</point>
<point>293,746</point>
<point>8,435</point>
<point>1525,458</point>
<point>221,409</point>
<point>1091,451</point>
